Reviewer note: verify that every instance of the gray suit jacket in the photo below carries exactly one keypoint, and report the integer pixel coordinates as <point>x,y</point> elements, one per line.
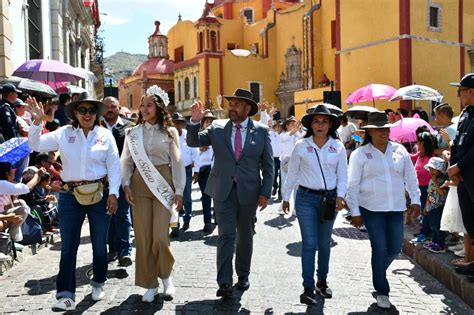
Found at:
<point>256,156</point>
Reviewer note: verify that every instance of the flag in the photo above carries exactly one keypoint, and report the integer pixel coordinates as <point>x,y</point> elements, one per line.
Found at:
<point>89,3</point>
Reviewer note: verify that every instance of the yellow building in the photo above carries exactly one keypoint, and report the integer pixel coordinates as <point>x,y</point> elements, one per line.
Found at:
<point>296,48</point>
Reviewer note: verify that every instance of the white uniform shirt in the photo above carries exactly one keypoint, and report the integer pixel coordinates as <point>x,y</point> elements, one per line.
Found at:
<point>276,143</point>
<point>345,132</point>
<point>378,181</point>
<point>288,142</point>
<point>207,157</point>
<point>264,117</point>
<point>83,158</point>
<point>304,169</point>
<point>118,122</point>
<point>188,155</point>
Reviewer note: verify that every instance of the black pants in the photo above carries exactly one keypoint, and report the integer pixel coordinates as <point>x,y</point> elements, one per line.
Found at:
<point>467,208</point>
<point>277,177</point>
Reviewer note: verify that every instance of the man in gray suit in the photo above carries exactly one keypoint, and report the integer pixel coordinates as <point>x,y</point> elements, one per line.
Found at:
<point>241,180</point>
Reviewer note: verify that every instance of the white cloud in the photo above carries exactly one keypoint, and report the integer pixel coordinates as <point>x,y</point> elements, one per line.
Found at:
<point>113,20</point>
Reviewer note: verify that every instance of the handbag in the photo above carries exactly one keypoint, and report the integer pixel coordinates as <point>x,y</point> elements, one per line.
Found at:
<point>32,231</point>
<point>89,194</point>
<point>328,203</point>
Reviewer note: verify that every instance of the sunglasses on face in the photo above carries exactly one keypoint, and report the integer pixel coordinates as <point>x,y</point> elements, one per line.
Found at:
<point>84,110</point>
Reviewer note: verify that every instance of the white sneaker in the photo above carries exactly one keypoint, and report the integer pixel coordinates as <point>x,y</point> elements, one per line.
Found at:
<point>149,295</point>
<point>383,301</point>
<point>97,293</point>
<point>64,304</point>
<point>456,248</point>
<point>168,287</point>
<point>460,253</point>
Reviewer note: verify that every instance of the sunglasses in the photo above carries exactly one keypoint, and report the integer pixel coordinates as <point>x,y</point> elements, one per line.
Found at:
<point>84,110</point>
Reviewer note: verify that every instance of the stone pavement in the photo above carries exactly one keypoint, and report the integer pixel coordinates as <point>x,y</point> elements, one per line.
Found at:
<point>275,281</point>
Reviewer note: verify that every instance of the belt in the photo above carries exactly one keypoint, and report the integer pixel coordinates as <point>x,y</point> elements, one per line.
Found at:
<point>71,185</point>
<point>315,191</point>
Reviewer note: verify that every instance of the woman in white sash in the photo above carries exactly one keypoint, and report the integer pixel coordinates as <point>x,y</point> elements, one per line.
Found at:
<point>153,180</point>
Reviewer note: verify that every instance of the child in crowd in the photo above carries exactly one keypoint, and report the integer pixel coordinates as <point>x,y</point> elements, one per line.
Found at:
<point>435,201</point>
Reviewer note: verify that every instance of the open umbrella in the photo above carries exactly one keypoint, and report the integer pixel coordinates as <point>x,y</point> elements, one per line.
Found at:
<point>88,75</point>
<point>30,86</point>
<point>14,150</point>
<point>360,112</point>
<point>416,93</point>
<point>70,89</point>
<point>51,72</point>
<point>404,130</point>
<point>240,52</point>
<point>332,108</point>
<point>371,92</point>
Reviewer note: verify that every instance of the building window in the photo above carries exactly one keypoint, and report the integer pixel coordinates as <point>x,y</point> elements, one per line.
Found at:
<point>179,54</point>
<point>434,17</point>
<point>256,89</point>
<point>333,34</point>
<point>213,41</point>
<point>231,46</point>
<point>195,87</point>
<point>187,95</point>
<point>201,42</point>
<point>35,41</point>
<point>179,91</point>
<point>248,14</point>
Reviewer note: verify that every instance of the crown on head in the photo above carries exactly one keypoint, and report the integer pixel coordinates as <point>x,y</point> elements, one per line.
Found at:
<point>156,90</point>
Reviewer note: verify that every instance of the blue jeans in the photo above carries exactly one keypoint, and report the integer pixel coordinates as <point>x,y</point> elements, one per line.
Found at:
<point>316,236</point>
<point>187,201</point>
<point>386,238</point>
<point>119,229</point>
<point>434,219</point>
<point>205,199</point>
<point>71,217</point>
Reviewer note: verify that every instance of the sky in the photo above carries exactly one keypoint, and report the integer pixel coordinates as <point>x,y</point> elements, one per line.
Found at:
<point>127,24</point>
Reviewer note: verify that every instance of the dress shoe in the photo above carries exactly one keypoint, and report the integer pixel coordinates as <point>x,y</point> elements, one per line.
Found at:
<point>174,232</point>
<point>308,297</point>
<point>208,227</point>
<point>185,226</point>
<point>225,290</point>
<point>112,256</point>
<point>125,261</point>
<point>243,284</point>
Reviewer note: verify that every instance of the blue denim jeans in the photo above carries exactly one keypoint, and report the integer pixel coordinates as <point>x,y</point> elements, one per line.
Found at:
<point>71,217</point>
<point>386,238</point>
<point>434,219</point>
<point>119,229</point>
<point>205,199</point>
<point>187,201</point>
<point>316,236</point>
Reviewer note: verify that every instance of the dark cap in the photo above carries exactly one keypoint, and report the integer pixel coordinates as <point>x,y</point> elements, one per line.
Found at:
<point>8,88</point>
<point>19,102</point>
<point>466,81</point>
<point>178,117</point>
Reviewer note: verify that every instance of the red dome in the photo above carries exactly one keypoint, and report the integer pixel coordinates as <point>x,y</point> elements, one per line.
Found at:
<point>155,66</point>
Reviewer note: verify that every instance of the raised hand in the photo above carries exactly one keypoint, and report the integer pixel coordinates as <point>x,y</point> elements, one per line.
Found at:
<point>36,110</point>
<point>197,112</point>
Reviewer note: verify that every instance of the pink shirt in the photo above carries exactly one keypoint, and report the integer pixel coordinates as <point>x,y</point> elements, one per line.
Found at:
<point>421,173</point>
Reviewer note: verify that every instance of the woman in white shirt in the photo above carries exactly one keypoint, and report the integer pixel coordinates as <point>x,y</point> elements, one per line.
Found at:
<point>153,181</point>
<point>379,173</point>
<point>90,157</point>
<point>318,167</point>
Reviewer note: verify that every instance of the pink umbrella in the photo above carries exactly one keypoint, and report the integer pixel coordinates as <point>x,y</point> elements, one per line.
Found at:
<point>404,130</point>
<point>371,92</point>
<point>51,72</point>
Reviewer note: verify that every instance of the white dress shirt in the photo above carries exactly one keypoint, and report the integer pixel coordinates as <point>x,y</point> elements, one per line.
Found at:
<point>378,181</point>
<point>288,142</point>
<point>304,169</point>
<point>276,143</point>
<point>243,132</point>
<point>189,155</point>
<point>264,118</point>
<point>7,189</point>
<point>83,158</point>
<point>118,122</point>
<point>206,157</point>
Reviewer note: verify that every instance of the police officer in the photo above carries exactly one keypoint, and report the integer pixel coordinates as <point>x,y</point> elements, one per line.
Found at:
<point>461,170</point>
<point>8,124</point>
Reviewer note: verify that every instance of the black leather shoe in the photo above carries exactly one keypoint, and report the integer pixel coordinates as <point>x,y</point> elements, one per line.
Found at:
<point>174,232</point>
<point>208,227</point>
<point>308,297</point>
<point>112,257</point>
<point>225,290</point>
<point>125,261</point>
<point>243,284</point>
<point>185,226</point>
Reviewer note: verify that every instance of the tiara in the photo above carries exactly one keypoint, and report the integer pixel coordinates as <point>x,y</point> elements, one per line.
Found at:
<point>156,90</point>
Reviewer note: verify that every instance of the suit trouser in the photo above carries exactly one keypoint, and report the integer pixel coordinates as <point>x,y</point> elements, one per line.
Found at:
<point>235,223</point>
<point>151,225</point>
<point>467,209</point>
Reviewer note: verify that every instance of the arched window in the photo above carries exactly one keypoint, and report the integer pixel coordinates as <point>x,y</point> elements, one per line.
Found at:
<point>201,42</point>
<point>162,50</point>
<point>213,41</point>
<point>195,87</point>
<point>179,91</point>
<point>187,95</point>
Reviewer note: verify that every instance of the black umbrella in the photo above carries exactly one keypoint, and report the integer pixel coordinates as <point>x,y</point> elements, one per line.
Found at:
<point>30,86</point>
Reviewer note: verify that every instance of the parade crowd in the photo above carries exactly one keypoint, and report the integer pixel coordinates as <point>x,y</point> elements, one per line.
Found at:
<point>122,172</point>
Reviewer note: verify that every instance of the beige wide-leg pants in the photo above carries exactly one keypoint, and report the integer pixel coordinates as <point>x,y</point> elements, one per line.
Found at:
<point>151,226</point>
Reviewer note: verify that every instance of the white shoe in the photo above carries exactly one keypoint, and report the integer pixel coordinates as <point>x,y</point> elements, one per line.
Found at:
<point>64,304</point>
<point>97,293</point>
<point>456,248</point>
<point>460,253</point>
<point>149,295</point>
<point>383,301</point>
<point>168,287</point>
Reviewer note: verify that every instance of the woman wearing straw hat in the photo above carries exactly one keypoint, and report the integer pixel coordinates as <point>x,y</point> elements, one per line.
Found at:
<point>90,160</point>
<point>318,168</point>
<point>379,173</point>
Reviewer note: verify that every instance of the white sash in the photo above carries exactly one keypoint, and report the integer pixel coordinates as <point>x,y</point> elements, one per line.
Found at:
<point>152,178</point>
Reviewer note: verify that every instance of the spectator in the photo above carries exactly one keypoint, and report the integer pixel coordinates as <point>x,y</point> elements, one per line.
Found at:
<point>401,112</point>
<point>392,117</point>
<point>8,120</point>
<point>60,114</point>
<point>345,131</point>
<point>22,116</point>
<point>444,114</point>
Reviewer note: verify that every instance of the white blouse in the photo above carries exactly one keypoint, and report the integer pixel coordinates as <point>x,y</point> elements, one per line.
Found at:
<point>304,169</point>
<point>378,181</point>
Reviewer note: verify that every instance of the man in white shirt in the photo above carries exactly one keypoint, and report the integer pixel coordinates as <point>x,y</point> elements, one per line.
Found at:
<point>276,147</point>
<point>346,130</point>
<point>444,114</point>
<point>190,158</point>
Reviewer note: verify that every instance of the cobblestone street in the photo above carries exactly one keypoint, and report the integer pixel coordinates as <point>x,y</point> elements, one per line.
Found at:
<point>275,281</point>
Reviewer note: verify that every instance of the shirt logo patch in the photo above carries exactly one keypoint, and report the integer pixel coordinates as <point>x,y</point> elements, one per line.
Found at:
<point>72,139</point>
<point>369,156</point>
<point>99,142</point>
<point>310,149</point>
<point>332,149</point>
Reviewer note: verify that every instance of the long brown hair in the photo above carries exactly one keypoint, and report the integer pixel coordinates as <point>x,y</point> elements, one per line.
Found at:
<point>163,118</point>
